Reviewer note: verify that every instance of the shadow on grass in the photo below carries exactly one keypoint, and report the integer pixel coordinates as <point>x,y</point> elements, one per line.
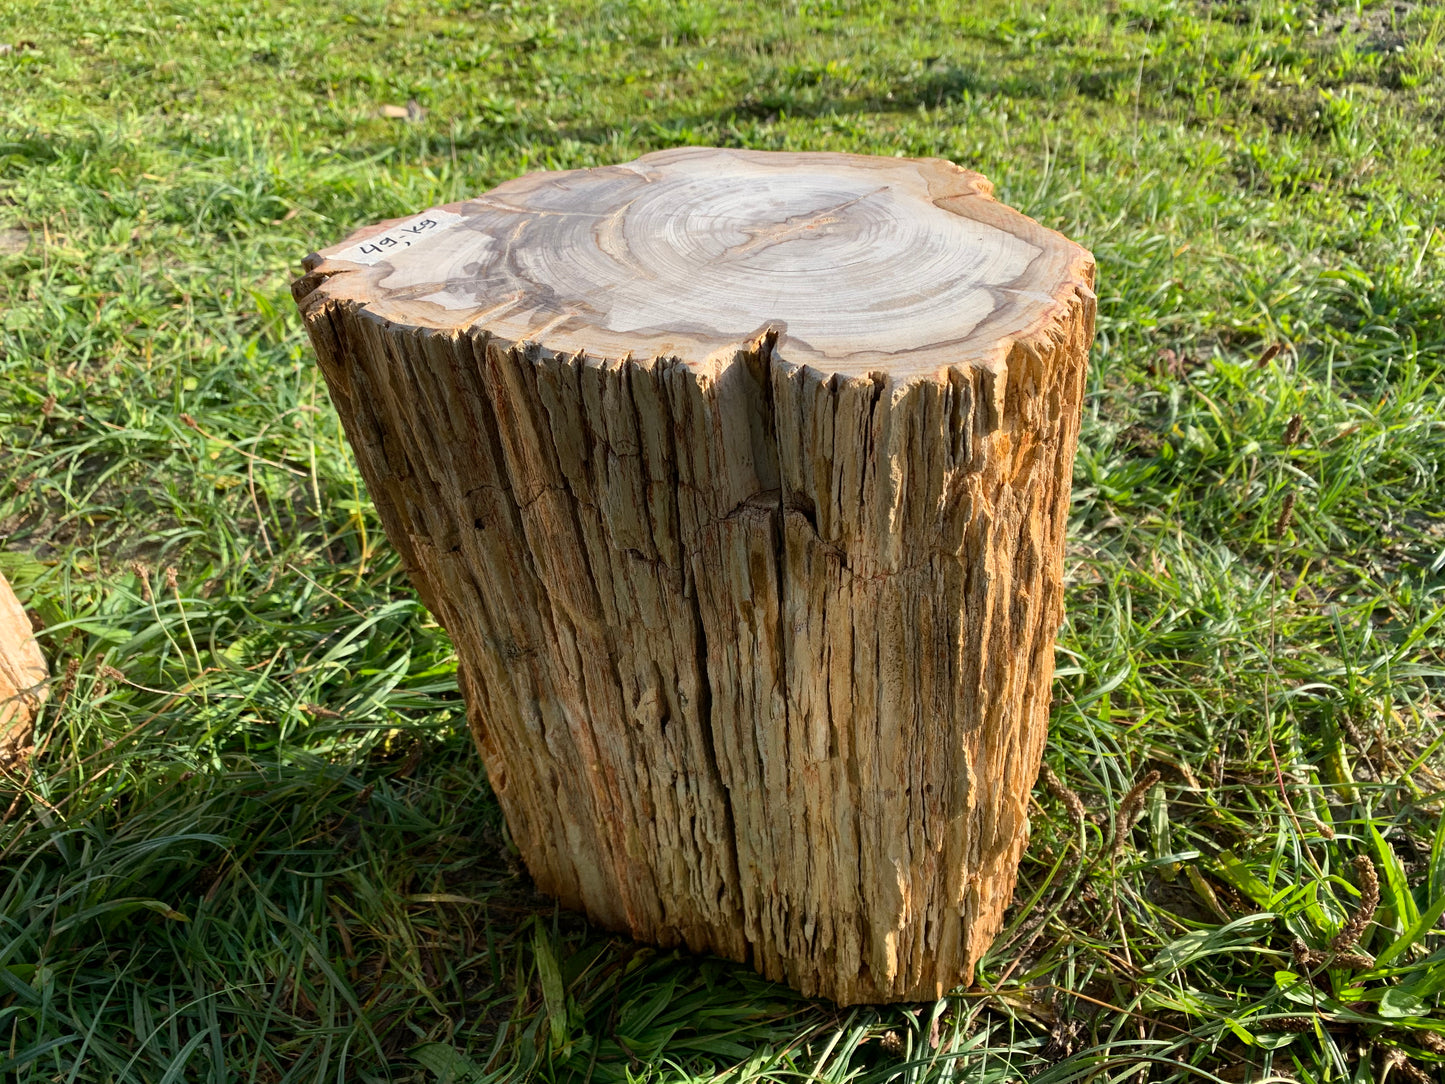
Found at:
<point>289,866</point>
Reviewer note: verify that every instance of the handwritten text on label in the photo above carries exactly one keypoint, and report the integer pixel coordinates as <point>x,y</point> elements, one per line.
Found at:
<point>398,238</point>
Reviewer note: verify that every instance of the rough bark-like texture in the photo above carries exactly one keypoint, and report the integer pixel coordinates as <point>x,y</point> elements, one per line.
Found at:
<point>23,677</point>
<point>755,620</point>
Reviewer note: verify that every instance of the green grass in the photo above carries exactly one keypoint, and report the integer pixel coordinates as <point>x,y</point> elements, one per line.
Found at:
<point>256,843</point>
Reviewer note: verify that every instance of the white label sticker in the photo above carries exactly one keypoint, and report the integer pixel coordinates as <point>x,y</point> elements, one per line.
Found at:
<point>398,238</point>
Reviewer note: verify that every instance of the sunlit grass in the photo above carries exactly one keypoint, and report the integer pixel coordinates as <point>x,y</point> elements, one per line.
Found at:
<point>256,842</point>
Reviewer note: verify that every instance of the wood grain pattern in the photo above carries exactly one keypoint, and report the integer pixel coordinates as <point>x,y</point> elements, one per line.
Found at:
<point>740,482</point>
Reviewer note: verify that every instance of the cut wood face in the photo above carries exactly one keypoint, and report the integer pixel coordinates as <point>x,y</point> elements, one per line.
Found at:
<point>855,264</point>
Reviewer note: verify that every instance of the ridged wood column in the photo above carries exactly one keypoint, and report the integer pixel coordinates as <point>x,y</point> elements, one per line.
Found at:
<point>740,481</point>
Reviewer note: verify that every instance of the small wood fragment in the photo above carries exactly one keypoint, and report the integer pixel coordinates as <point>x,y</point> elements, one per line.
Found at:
<point>23,683</point>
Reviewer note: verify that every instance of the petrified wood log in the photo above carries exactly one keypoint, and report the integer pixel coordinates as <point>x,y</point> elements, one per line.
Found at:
<point>740,481</point>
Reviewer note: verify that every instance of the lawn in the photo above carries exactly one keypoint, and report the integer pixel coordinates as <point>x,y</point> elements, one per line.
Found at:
<point>255,843</point>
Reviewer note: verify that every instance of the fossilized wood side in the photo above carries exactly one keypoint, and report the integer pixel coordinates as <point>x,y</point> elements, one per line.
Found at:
<point>756,640</point>
<point>23,684</point>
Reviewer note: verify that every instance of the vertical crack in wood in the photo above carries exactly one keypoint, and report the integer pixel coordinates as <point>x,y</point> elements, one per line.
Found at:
<point>766,368</point>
